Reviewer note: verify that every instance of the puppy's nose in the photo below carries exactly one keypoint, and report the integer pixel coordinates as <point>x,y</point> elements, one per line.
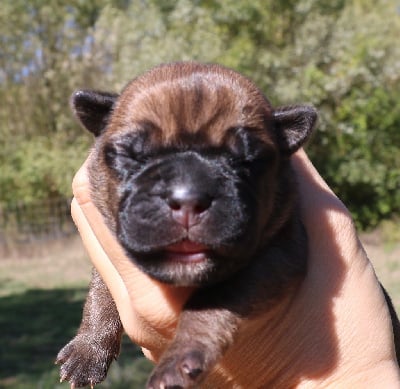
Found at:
<point>187,205</point>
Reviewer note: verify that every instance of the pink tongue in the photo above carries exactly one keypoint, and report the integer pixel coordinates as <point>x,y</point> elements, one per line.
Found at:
<point>186,247</point>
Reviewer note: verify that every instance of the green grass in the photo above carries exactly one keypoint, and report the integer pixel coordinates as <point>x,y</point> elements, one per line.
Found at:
<point>41,301</point>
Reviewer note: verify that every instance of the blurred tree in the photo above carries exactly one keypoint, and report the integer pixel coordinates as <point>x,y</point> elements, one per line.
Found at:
<point>341,56</point>
<point>44,55</point>
<point>353,77</point>
<point>344,58</point>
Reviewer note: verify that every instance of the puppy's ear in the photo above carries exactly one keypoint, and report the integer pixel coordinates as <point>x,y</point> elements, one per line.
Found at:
<point>93,109</point>
<point>294,125</point>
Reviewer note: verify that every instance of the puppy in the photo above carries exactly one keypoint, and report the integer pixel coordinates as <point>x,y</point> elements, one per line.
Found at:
<point>191,172</point>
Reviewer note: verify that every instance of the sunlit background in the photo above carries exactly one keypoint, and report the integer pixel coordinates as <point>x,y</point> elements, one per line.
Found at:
<point>342,56</point>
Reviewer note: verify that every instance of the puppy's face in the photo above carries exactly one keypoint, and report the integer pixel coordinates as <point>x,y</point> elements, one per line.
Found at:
<point>191,169</point>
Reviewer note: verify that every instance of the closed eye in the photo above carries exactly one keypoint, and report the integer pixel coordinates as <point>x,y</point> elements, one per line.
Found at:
<point>246,145</point>
<point>122,161</point>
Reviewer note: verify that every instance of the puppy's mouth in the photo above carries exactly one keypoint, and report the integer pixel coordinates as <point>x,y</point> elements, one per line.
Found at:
<point>186,252</point>
<point>187,263</point>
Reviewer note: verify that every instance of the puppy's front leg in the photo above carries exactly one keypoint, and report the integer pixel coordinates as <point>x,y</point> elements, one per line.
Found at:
<point>211,318</point>
<point>86,358</point>
<point>202,337</point>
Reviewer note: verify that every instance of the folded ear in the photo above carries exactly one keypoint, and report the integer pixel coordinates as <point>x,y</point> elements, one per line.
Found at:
<point>93,109</point>
<point>294,125</point>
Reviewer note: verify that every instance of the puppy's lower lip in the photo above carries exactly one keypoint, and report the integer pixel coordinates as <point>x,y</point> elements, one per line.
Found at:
<point>187,252</point>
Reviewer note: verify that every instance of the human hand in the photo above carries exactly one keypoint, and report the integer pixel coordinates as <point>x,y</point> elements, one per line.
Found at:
<point>336,332</point>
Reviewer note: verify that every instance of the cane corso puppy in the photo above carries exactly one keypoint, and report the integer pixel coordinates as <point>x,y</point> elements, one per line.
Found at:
<point>191,172</point>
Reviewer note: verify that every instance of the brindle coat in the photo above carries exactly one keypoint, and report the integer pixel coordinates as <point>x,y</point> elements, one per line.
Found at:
<point>196,154</point>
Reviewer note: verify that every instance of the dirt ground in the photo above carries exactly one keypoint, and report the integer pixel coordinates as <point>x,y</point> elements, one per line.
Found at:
<point>385,256</point>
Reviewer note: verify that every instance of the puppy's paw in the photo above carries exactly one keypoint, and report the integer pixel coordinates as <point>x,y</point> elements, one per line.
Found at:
<point>178,371</point>
<point>84,361</point>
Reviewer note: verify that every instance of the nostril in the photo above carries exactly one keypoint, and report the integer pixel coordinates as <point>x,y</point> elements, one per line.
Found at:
<point>175,205</point>
<point>193,202</point>
<point>193,207</point>
<point>202,204</point>
<point>199,209</point>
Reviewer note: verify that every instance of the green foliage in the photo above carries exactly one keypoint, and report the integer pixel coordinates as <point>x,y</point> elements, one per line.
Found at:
<point>41,167</point>
<point>341,56</point>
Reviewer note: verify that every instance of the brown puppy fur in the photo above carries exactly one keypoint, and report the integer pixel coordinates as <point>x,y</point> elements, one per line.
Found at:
<point>191,171</point>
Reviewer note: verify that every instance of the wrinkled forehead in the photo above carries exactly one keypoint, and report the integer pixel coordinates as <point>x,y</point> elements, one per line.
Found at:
<point>201,104</point>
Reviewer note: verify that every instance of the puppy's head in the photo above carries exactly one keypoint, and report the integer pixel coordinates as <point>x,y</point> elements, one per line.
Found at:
<point>191,168</point>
